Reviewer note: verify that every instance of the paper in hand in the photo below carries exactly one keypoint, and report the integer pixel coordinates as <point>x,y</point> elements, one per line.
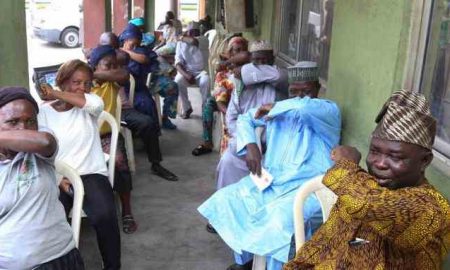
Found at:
<point>263,181</point>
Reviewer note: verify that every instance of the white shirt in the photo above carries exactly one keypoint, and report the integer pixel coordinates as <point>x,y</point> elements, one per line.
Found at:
<point>193,58</point>
<point>78,135</point>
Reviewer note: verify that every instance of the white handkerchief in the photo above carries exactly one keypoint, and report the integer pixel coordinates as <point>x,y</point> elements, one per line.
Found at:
<point>263,181</point>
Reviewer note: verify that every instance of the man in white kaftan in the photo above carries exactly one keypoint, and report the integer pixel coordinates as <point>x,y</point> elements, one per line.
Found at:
<point>262,83</point>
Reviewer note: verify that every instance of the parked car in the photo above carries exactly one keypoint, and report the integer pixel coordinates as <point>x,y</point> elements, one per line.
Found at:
<point>59,22</point>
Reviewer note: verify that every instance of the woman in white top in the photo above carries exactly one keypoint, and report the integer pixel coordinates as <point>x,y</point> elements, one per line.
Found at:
<point>73,118</point>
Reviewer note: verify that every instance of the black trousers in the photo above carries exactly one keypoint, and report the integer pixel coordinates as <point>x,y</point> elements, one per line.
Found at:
<point>145,127</point>
<point>70,261</point>
<point>100,209</point>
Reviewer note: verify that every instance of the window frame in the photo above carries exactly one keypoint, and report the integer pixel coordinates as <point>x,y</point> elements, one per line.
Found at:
<point>423,27</point>
<point>281,58</point>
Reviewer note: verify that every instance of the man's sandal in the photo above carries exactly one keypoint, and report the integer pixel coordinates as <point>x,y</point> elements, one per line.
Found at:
<point>128,224</point>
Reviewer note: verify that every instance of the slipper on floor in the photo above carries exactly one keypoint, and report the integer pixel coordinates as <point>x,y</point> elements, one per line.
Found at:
<point>210,228</point>
<point>201,150</point>
<point>128,224</point>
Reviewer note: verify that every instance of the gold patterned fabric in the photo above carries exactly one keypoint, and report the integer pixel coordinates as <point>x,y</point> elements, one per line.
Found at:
<point>407,228</point>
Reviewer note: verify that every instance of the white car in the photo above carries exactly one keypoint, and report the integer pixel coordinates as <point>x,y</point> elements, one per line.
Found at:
<point>58,22</point>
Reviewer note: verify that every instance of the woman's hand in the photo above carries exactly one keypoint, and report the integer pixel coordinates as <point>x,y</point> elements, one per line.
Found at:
<point>128,45</point>
<point>223,65</point>
<point>237,72</point>
<point>263,110</point>
<point>253,158</point>
<point>346,152</point>
<point>47,92</point>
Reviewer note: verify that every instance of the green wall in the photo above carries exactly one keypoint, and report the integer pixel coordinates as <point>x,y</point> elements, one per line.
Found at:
<point>13,44</point>
<point>366,55</point>
<point>264,10</point>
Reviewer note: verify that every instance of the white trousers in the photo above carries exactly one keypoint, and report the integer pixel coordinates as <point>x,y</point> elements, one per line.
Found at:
<point>202,80</point>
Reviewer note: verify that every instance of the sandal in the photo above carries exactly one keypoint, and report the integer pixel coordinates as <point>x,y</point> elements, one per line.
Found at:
<point>210,228</point>
<point>128,224</point>
<point>201,150</point>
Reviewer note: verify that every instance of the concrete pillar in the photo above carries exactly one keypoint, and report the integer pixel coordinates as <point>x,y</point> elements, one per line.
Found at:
<point>201,9</point>
<point>174,7</point>
<point>149,15</point>
<point>138,9</point>
<point>119,15</point>
<point>13,45</point>
<point>94,18</point>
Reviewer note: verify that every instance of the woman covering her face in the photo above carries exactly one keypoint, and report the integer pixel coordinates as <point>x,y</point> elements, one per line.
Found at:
<point>72,114</point>
<point>34,231</point>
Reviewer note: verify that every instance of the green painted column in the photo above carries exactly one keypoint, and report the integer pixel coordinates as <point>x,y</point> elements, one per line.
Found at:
<point>149,15</point>
<point>367,59</point>
<point>13,44</point>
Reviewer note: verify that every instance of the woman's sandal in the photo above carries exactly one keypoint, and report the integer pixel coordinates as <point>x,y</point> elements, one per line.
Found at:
<point>210,228</point>
<point>201,150</point>
<point>128,224</point>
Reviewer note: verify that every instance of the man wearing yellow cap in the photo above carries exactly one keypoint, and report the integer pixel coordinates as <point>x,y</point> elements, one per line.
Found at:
<point>388,217</point>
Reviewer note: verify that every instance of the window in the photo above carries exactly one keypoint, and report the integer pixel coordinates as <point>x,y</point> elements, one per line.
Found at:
<point>289,25</point>
<point>438,59</point>
<point>306,32</point>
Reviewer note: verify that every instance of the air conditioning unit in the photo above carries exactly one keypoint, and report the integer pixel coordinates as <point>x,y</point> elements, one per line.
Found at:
<point>240,15</point>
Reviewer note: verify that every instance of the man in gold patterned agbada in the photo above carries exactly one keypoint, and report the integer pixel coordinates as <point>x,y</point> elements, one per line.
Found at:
<point>388,217</point>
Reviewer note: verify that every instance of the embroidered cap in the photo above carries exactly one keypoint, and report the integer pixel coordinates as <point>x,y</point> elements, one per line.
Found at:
<point>260,45</point>
<point>406,117</point>
<point>304,71</point>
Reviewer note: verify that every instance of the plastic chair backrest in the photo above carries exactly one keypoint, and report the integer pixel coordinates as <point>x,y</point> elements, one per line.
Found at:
<point>107,117</point>
<point>126,133</point>
<point>132,89</point>
<point>217,132</point>
<point>118,112</point>
<point>74,178</point>
<point>211,34</point>
<point>148,82</point>
<point>326,199</point>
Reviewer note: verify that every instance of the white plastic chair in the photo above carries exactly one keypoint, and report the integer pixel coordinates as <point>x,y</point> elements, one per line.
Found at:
<point>217,131</point>
<point>210,34</point>
<point>132,89</point>
<point>78,190</point>
<point>326,199</point>
<point>128,136</point>
<point>126,132</point>
<point>111,158</point>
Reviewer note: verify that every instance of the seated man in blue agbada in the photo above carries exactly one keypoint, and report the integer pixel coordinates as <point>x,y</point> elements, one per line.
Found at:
<point>300,134</point>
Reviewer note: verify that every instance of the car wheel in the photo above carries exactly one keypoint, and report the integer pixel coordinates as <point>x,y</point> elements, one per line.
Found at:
<point>70,38</point>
